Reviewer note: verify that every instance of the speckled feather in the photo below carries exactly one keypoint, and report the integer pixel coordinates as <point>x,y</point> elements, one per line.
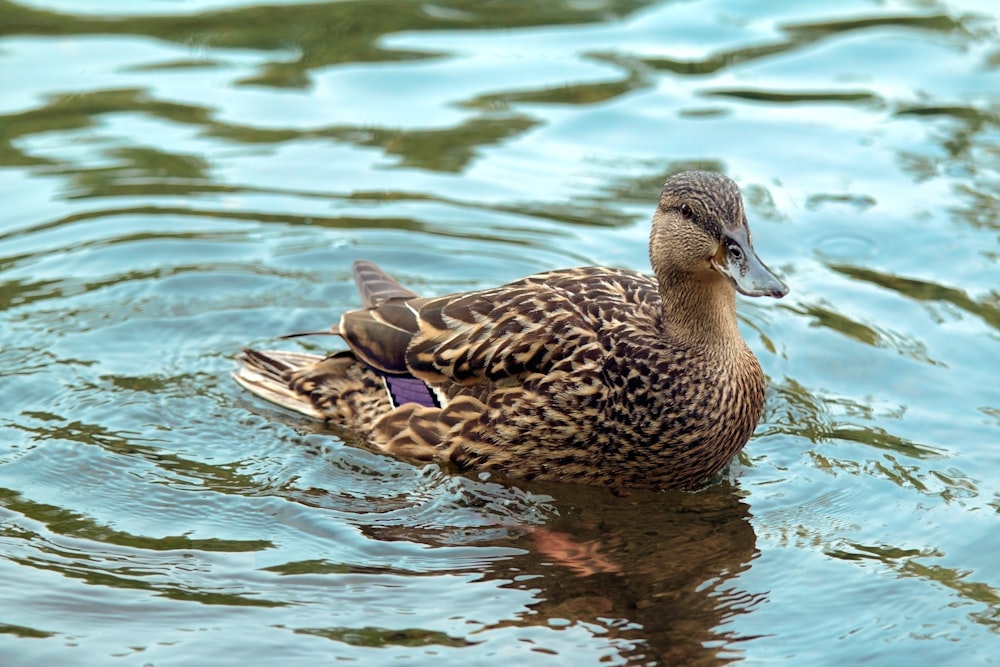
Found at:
<point>590,375</point>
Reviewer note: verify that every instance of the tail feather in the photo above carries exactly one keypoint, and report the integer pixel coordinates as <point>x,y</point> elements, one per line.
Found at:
<point>267,374</point>
<point>343,390</point>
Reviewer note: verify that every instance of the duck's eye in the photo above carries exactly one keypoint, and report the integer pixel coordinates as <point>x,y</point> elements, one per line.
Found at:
<point>735,252</point>
<point>686,211</point>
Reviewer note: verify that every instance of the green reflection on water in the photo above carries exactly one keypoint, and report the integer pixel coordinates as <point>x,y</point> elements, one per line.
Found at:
<point>314,566</point>
<point>922,290</point>
<point>77,111</point>
<point>321,35</point>
<point>21,631</point>
<point>907,563</point>
<point>380,637</point>
<point>810,414</point>
<point>324,33</point>
<point>838,98</point>
<point>583,93</point>
<point>874,335</point>
<point>800,35</point>
<point>324,567</point>
<point>140,170</point>
<point>66,522</point>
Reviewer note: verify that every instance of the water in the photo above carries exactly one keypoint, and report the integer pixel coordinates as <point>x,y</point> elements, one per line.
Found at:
<point>180,179</point>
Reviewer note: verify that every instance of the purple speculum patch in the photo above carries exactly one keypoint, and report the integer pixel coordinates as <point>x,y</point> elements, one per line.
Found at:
<point>405,389</point>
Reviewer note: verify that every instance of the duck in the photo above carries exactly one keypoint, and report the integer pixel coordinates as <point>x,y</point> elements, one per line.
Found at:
<point>591,375</point>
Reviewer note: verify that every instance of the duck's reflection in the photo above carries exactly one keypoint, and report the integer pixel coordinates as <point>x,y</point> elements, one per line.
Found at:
<point>651,573</point>
<point>654,569</point>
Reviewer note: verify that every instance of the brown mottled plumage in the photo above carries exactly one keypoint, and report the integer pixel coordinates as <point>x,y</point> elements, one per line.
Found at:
<point>590,375</point>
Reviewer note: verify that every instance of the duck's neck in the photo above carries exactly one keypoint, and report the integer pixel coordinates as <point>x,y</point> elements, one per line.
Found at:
<point>700,311</point>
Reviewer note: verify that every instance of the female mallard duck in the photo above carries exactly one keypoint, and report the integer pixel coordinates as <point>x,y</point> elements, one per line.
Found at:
<point>589,375</point>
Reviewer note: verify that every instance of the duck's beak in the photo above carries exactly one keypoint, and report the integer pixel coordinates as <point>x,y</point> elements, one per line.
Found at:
<point>738,261</point>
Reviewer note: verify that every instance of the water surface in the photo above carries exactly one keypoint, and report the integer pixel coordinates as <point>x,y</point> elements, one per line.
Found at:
<point>181,179</point>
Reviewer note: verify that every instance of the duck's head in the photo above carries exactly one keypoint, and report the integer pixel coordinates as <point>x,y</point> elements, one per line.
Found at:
<point>700,230</point>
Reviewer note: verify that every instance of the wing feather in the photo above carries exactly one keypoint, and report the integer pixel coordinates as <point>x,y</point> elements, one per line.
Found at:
<point>496,334</point>
<point>380,332</point>
<point>490,336</point>
<point>378,344</point>
<point>376,286</point>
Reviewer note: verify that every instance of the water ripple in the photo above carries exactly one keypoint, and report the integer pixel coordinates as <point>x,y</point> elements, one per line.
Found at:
<point>183,179</point>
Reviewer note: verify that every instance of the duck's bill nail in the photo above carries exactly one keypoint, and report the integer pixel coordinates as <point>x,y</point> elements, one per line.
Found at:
<point>749,275</point>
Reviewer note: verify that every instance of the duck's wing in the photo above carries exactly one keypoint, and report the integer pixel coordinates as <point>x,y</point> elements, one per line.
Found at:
<point>497,334</point>
<point>558,321</point>
<point>465,339</point>
<point>380,332</point>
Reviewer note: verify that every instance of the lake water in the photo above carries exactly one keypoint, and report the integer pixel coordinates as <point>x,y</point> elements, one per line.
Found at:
<point>182,178</point>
